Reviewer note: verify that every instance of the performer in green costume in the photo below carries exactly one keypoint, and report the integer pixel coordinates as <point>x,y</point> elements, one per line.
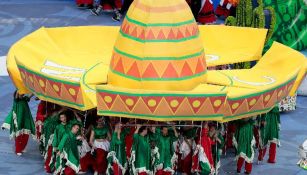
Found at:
<point>244,142</point>
<point>141,152</point>
<point>269,134</point>
<point>20,122</point>
<point>117,159</point>
<point>68,151</point>
<point>167,157</point>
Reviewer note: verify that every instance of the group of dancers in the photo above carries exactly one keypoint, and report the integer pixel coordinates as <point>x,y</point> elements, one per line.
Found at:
<point>74,142</point>
<point>203,10</point>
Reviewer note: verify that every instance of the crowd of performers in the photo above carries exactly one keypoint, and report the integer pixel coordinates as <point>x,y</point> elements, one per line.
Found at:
<point>73,142</point>
<point>203,10</point>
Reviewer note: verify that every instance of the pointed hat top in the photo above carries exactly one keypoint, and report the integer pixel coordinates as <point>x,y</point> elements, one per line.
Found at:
<point>158,48</point>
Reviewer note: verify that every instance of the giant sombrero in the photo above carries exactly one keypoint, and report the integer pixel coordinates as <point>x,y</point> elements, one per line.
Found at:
<point>156,69</point>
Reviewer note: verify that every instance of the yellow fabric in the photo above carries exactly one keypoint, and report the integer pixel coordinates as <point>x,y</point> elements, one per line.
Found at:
<point>90,49</point>
<point>229,44</point>
<point>277,66</point>
<point>83,54</point>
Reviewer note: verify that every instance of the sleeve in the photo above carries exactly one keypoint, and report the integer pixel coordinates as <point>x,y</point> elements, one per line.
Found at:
<point>115,139</point>
<point>135,141</point>
<point>55,138</point>
<point>62,142</point>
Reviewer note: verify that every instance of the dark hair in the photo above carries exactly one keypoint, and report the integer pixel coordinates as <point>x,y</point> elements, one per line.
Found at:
<point>62,113</point>
<point>142,128</point>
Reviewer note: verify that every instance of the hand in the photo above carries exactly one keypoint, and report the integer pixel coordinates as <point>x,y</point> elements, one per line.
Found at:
<point>138,126</point>
<point>80,137</point>
<point>58,153</point>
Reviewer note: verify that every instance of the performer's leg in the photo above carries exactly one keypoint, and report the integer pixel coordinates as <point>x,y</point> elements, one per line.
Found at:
<point>167,173</point>
<point>240,164</point>
<point>85,162</point>
<point>25,139</point>
<point>159,172</point>
<point>248,168</point>
<point>187,164</point>
<point>18,144</point>
<point>142,173</point>
<point>69,171</point>
<point>116,169</point>
<point>48,159</point>
<point>101,160</point>
<point>262,152</point>
<point>272,153</point>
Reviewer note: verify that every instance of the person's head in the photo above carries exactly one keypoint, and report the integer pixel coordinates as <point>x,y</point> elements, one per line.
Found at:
<point>212,128</point>
<point>75,128</point>
<point>63,117</point>
<point>99,121</point>
<point>143,131</point>
<point>164,130</point>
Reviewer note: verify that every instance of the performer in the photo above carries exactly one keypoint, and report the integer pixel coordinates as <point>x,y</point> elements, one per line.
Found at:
<point>59,132</point>
<point>202,157</point>
<point>244,142</point>
<point>206,14</point>
<point>40,117</point>
<point>116,16</point>
<point>20,122</point>
<point>117,158</point>
<point>226,7</point>
<point>141,152</point>
<point>217,146</point>
<point>68,151</point>
<point>100,142</point>
<point>269,134</point>
<point>186,147</point>
<point>50,124</point>
<point>167,157</point>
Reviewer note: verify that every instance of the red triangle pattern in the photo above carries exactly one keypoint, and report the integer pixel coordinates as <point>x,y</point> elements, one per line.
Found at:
<point>105,97</point>
<point>221,99</point>
<point>171,35</point>
<point>251,100</point>
<point>187,32</point>
<point>75,88</point>
<point>282,89</point>
<point>150,72</point>
<point>38,78</point>
<point>134,71</point>
<point>232,102</point>
<point>128,99</point>
<point>186,70</point>
<point>119,66</point>
<point>199,100</point>
<point>266,101</point>
<point>142,35</point>
<point>200,67</point>
<point>179,35</point>
<point>150,35</point>
<point>171,100</point>
<point>161,35</point>
<point>134,33</point>
<point>170,72</point>
<point>152,107</point>
<point>53,83</point>
<point>174,33</point>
